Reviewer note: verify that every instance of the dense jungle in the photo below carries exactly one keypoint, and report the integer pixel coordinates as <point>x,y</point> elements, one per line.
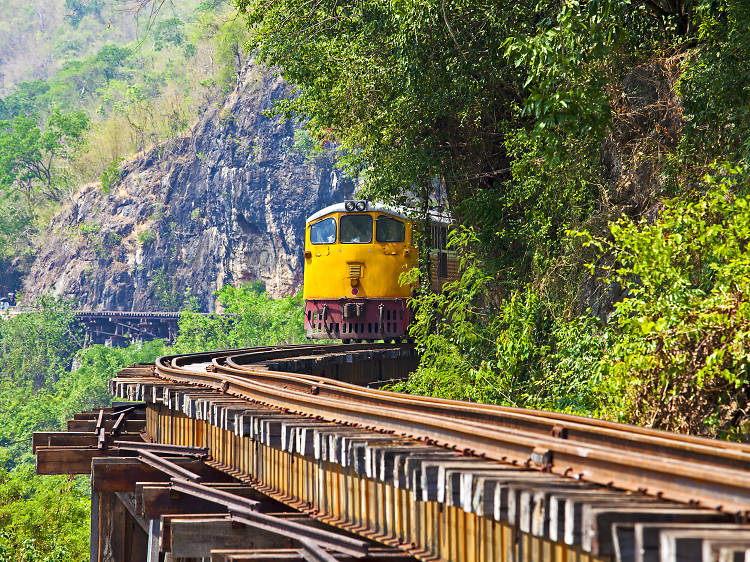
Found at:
<point>594,155</point>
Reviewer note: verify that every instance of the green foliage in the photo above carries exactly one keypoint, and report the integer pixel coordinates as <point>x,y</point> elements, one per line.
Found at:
<point>13,223</point>
<point>408,89</point>
<point>42,518</point>
<point>164,289</point>
<point>110,176</point>
<point>46,518</point>
<point>137,91</point>
<point>110,59</point>
<point>680,358</point>
<point>147,237</point>
<point>252,319</point>
<point>36,351</point>
<point>169,31</point>
<point>31,157</point>
<point>39,390</point>
<point>225,33</point>
<point>715,85</point>
<point>87,386</point>
<point>517,354</point>
<point>108,90</point>
<point>565,85</point>
<point>38,347</point>
<point>76,10</point>
<point>303,142</point>
<point>521,228</point>
<point>511,109</point>
<point>24,100</point>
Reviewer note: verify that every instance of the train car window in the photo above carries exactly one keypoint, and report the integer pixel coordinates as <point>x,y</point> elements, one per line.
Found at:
<point>355,229</point>
<point>439,237</point>
<point>442,265</point>
<point>389,230</point>
<point>323,232</point>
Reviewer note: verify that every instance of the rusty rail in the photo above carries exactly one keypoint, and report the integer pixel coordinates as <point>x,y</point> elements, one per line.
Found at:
<point>699,471</point>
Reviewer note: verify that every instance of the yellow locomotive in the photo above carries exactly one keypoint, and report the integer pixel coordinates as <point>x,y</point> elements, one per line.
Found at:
<point>354,254</point>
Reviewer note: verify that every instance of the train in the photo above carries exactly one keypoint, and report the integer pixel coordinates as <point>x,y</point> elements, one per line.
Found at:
<point>355,252</point>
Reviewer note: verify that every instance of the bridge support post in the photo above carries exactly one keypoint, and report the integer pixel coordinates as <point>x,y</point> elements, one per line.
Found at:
<point>154,534</point>
<point>94,535</point>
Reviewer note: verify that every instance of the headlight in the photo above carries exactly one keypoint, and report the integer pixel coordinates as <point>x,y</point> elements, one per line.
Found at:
<point>349,206</point>
<point>361,205</point>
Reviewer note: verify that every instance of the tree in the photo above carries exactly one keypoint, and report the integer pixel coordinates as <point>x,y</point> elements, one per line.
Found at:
<point>13,222</point>
<point>42,517</point>
<point>38,347</point>
<point>24,100</point>
<point>169,32</point>
<point>76,10</point>
<point>110,59</point>
<point>36,351</point>
<point>413,91</point>
<point>427,92</point>
<point>30,158</point>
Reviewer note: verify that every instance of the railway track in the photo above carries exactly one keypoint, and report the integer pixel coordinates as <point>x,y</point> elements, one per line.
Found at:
<point>440,479</point>
<point>701,472</point>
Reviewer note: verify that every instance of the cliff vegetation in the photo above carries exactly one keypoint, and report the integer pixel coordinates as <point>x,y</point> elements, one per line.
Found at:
<point>86,85</point>
<point>595,156</point>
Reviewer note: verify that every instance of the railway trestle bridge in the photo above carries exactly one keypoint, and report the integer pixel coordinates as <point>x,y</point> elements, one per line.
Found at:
<point>293,453</point>
<point>118,328</point>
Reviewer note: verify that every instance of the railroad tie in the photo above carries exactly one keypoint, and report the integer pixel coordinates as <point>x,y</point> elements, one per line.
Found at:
<point>433,502</point>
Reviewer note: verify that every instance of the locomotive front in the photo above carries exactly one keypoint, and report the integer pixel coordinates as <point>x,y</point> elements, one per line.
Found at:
<point>354,254</point>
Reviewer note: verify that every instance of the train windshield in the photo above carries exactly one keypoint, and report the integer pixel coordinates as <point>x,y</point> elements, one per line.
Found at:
<point>355,229</point>
<point>389,230</point>
<point>323,232</point>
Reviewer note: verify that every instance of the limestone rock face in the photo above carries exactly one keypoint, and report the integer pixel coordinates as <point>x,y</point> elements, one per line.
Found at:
<point>225,204</point>
<point>646,126</point>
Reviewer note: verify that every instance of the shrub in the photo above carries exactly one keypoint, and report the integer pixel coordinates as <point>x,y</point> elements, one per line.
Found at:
<point>680,357</point>
<point>513,351</point>
<point>253,318</point>
<point>146,237</point>
<point>111,175</point>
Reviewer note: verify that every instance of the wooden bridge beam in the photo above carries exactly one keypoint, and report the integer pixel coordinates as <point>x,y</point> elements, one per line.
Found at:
<point>197,536</point>
<point>74,439</point>
<point>156,499</point>
<point>121,474</point>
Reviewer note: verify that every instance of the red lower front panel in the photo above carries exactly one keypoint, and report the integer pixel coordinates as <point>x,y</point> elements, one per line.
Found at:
<point>356,319</point>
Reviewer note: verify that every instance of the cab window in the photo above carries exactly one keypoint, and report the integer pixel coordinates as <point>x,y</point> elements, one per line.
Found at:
<point>356,229</point>
<point>323,232</point>
<point>389,230</point>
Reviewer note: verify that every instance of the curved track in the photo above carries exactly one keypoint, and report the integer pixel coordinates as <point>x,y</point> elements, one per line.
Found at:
<point>702,472</point>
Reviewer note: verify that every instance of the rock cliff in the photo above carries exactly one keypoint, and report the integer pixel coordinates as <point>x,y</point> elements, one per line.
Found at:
<point>225,204</point>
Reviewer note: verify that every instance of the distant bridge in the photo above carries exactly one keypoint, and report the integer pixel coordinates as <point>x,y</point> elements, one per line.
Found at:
<point>115,327</point>
<point>119,328</point>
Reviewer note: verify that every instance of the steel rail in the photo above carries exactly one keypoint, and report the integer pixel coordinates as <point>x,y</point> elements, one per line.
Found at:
<point>166,466</point>
<point>182,450</point>
<point>579,428</point>
<point>701,484</point>
<point>215,495</point>
<point>574,428</point>
<point>546,418</point>
<point>459,425</point>
<point>300,533</point>
<point>245,511</point>
<point>208,356</point>
<point>313,552</point>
